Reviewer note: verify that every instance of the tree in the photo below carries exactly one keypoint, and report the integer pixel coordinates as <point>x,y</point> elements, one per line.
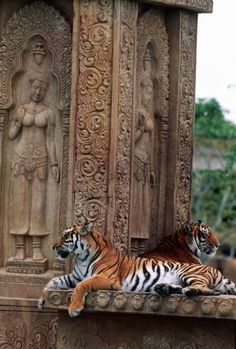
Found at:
<point>214,189</point>
<point>210,120</point>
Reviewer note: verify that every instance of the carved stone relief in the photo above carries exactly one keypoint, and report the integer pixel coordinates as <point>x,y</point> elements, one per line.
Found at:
<point>27,332</point>
<point>147,303</point>
<point>193,5</point>
<point>186,110</point>
<point>94,109</point>
<point>154,333</point>
<point>150,129</point>
<point>34,94</point>
<point>122,123</point>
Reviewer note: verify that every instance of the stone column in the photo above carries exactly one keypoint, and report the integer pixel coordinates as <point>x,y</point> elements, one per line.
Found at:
<point>182,28</point>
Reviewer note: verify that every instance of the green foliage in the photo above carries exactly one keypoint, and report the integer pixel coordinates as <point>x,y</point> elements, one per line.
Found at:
<point>210,121</point>
<point>214,189</point>
<point>214,201</point>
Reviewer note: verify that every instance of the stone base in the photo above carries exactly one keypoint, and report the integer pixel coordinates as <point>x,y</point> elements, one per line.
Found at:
<point>129,331</point>
<point>24,326</point>
<point>26,266</point>
<point>143,320</point>
<point>23,285</point>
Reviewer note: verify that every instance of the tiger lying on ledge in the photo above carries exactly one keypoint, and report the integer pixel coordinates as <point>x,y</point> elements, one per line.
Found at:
<point>99,265</point>
<point>191,243</point>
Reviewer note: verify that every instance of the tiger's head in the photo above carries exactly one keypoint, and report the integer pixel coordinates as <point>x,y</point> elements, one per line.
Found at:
<point>200,238</point>
<point>77,241</point>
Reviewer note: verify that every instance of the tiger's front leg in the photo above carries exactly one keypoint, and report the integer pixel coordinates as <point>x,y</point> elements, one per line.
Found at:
<point>65,281</point>
<point>95,283</point>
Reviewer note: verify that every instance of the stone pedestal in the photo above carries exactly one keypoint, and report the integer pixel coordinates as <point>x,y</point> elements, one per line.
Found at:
<point>27,266</point>
<point>146,321</point>
<point>25,286</point>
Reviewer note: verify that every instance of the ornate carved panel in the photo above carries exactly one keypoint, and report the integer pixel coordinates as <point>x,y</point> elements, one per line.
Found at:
<point>128,331</point>
<point>193,5</point>
<point>121,128</point>
<point>186,111</point>
<point>147,303</point>
<point>24,330</point>
<point>94,109</point>
<point>35,73</point>
<point>35,19</point>
<point>150,130</point>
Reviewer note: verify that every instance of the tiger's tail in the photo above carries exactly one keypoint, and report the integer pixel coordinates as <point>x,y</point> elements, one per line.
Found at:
<point>226,286</point>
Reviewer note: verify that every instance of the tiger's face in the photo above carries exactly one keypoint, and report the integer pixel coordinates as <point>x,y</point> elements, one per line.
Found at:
<point>75,241</point>
<point>200,236</point>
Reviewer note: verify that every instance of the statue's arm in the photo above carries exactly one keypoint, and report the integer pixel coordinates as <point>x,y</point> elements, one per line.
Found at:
<point>51,148</point>
<point>16,124</point>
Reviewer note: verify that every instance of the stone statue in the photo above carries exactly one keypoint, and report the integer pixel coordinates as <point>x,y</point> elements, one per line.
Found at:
<point>32,130</point>
<point>144,177</point>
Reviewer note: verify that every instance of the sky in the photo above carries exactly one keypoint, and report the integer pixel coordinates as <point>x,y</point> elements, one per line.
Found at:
<point>216,56</point>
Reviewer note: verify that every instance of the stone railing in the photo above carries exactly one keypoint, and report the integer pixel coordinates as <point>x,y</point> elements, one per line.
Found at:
<point>221,307</point>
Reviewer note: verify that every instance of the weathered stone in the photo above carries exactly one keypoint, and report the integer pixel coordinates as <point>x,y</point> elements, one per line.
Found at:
<point>118,95</point>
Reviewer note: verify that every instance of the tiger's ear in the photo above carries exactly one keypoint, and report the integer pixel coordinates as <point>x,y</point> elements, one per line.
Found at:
<point>87,228</point>
<point>187,229</point>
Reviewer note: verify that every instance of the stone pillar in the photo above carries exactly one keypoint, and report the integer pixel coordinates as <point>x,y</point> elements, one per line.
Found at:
<point>182,28</point>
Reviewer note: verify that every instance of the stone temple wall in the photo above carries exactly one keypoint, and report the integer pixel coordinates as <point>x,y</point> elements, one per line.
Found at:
<point>96,115</point>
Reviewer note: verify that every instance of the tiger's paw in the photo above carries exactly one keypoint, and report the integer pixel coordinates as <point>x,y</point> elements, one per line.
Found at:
<point>166,289</point>
<point>41,303</point>
<point>217,293</point>
<point>162,289</point>
<point>73,312</point>
<point>193,291</point>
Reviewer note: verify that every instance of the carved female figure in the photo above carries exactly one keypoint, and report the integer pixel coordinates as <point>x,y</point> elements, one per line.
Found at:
<point>143,172</point>
<point>32,130</point>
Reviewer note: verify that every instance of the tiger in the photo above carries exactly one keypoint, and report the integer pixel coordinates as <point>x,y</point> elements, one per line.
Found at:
<point>193,242</point>
<point>98,264</point>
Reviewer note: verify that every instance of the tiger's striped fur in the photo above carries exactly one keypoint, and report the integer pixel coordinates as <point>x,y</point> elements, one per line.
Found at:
<point>99,265</point>
<point>193,242</point>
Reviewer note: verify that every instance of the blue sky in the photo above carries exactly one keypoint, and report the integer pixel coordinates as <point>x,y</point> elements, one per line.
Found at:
<point>216,56</point>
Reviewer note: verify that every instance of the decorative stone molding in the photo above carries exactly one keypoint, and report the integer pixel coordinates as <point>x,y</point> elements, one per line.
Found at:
<point>193,5</point>
<point>147,303</point>
<point>186,111</point>
<point>123,120</point>
<point>44,335</point>
<point>27,266</point>
<point>2,118</point>
<point>94,109</point>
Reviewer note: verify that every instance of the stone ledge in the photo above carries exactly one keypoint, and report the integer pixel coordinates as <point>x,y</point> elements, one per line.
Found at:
<point>23,286</point>
<point>204,6</point>
<point>221,307</point>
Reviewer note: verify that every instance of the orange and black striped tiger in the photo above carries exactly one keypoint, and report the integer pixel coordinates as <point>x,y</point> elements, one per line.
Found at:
<point>99,265</point>
<point>192,242</point>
